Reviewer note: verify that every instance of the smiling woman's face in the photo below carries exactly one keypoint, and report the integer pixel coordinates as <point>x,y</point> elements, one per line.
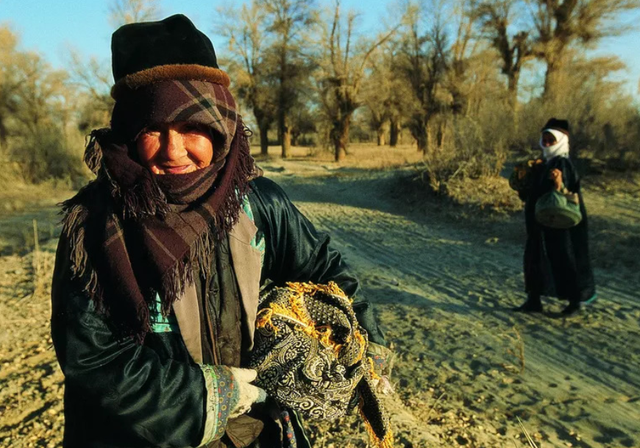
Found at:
<point>175,148</point>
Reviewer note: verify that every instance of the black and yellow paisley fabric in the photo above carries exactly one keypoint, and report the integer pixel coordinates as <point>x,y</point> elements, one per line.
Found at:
<point>310,354</point>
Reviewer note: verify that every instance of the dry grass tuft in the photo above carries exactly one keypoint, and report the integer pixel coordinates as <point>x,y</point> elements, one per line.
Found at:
<point>516,350</point>
<point>490,193</point>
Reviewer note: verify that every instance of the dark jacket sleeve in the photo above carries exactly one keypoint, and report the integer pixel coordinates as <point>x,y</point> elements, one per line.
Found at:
<point>118,391</point>
<point>297,252</point>
<point>570,177</point>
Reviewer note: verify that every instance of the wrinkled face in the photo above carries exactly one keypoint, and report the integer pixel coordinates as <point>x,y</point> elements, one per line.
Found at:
<point>548,139</point>
<point>175,148</point>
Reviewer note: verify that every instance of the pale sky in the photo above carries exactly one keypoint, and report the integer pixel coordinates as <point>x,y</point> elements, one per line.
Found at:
<point>50,26</point>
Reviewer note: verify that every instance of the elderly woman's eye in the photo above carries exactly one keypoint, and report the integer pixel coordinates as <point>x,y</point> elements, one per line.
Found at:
<point>193,128</point>
<point>152,130</point>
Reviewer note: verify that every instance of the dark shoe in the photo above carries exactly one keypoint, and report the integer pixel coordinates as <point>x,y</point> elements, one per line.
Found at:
<point>571,309</point>
<point>530,306</point>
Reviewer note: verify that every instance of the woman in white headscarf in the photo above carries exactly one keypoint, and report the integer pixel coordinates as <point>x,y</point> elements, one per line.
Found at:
<point>556,261</point>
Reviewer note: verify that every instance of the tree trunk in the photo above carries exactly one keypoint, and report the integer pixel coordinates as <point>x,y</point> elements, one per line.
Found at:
<point>381,139</point>
<point>419,131</point>
<point>421,140</point>
<point>286,143</point>
<point>393,133</point>
<point>264,139</point>
<point>339,151</point>
<point>340,136</point>
<point>428,139</point>
<point>286,137</point>
<point>513,97</point>
<point>551,80</point>
<point>514,78</point>
<point>3,135</point>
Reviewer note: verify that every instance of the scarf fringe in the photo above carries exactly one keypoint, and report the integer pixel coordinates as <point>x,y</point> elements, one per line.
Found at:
<point>93,150</point>
<point>175,281</point>
<point>74,225</point>
<point>144,319</point>
<point>74,222</point>
<point>143,200</point>
<point>243,169</point>
<point>73,229</point>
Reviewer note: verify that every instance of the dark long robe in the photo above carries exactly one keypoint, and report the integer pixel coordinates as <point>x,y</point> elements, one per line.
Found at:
<point>556,261</point>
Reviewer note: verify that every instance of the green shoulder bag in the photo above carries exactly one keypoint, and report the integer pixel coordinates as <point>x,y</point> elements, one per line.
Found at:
<point>558,209</point>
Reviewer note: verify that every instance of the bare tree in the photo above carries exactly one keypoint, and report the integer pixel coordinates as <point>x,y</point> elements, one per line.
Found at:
<point>94,79</point>
<point>422,61</point>
<point>514,48</point>
<point>399,102</point>
<point>122,12</point>
<point>378,117</point>
<point>436,54</point>
<point>245,31</point>
<point>37,108</point>
<point>459,54</point>
<point>377,94</point>
<point>561,23</point>
<point>343,66</point>
<point>39,89</point>
<point>385,94</point>
<point>288,21</point>
<point>10,80</point>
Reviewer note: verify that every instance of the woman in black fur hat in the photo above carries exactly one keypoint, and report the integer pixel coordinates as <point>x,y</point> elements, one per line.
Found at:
<point>556,261</point>
<point>162,258</point>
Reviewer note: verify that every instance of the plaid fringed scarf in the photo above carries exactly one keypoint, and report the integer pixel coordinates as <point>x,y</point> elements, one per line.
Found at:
<point>134,235</point>
<point>310,354</point>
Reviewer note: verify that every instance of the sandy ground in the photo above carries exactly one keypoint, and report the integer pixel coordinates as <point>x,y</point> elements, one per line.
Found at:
<point>468,369</point>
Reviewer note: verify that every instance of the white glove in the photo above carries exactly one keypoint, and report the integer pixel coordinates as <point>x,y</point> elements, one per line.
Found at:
<point>384,386</point>
<point>247,392</point>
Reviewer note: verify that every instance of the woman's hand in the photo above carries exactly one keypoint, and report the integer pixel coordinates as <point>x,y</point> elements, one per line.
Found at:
<point>556,176</point>
<point>249,394</point>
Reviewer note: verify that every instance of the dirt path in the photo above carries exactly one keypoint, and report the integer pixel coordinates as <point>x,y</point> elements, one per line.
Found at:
<point>467,369</point>
<point>444,291</point>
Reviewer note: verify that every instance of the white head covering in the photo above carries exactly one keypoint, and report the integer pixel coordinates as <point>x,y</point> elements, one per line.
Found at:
<point>560,149</point>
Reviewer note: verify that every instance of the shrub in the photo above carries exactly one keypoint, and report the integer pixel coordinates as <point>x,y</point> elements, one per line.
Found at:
<point>466,147</point>
<point>48,154</point>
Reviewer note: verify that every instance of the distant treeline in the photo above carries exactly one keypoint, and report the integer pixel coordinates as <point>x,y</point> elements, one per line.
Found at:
<point>466,81</point>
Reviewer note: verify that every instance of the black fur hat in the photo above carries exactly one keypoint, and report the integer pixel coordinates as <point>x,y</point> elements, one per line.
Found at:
<point>173,48</point>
